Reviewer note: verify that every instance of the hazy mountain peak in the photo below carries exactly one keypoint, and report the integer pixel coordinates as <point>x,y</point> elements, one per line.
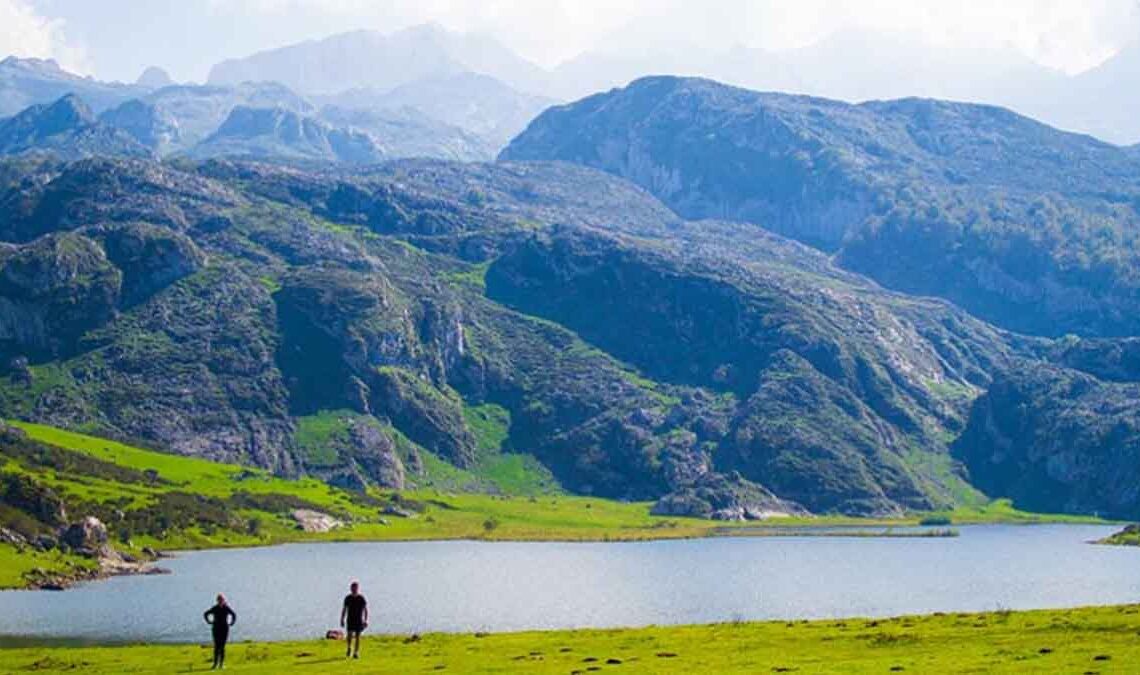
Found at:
<point>66,113</point>
<point>154,78</point>
<point>33,64</point>
<point>362,59</point>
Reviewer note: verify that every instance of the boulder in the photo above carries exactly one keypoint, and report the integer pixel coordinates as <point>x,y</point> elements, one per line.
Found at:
<point>86,537</point>
<point>315,521</point>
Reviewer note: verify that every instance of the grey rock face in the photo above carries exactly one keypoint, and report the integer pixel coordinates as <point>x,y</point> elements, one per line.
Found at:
<point>315,521</point>
<point>278,133</point>
<point>147,124</point>
<point>86,537</point>
<point>376,454</point>
<point>722,497</point>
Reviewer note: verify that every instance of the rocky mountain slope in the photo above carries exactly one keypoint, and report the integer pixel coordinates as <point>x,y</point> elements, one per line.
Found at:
<point>268,133</point>
<point>415,320</point>
<point>1033,229</point>
<point>66,128</point>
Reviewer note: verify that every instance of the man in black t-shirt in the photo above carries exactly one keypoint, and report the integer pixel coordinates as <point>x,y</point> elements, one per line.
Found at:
<point>354,619</point>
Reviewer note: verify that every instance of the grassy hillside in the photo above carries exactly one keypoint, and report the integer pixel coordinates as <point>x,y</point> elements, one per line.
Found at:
<point>445,515</point>
<point>169,502</point>
<point>1096,640</point>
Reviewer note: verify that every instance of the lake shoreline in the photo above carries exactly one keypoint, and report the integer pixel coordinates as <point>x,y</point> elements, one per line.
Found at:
<point>62,579</point>
<point>459,586</point>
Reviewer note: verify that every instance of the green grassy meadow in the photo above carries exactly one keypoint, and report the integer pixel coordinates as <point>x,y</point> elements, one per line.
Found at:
<point>1092,640</point>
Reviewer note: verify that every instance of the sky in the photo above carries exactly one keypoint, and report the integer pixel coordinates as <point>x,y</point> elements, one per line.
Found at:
<point>117,39</point>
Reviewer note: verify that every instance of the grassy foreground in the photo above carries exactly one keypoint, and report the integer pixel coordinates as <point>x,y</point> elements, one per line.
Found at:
<point>1093,640</point>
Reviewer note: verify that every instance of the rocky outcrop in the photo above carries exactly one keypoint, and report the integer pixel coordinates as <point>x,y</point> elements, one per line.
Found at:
<point>52,291</point>
<point>430,417</point>
<point>87,537</point>
<point>375,452</point>
<point>315,521</point>
<point>1056,440</point>
<point>726,497</point>
<point>149,257</point>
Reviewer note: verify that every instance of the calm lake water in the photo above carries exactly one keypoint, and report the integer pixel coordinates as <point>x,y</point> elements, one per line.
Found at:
<point>295,591</point>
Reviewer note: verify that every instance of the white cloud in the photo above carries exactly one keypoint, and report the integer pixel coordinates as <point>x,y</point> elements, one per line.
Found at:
<point>25,33</point>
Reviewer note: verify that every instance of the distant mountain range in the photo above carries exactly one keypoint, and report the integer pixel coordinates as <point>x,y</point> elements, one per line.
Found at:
<point>450,113</point>
<point>478,104</point>
<point>852,65</point>
<point>475,84</point>
<point>372,60</point>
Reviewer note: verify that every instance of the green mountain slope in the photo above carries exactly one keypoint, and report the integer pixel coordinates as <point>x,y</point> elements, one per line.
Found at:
<point>525,328</point>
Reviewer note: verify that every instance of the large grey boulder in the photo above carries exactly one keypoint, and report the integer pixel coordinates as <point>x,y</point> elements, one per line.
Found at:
<point>86,537</point>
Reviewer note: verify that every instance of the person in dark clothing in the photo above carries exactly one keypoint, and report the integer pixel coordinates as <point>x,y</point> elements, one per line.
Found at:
<point>220,617</point>
<point>354,619</point>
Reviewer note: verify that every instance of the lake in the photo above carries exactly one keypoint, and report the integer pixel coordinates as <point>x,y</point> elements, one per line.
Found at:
<point>295,591</point>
